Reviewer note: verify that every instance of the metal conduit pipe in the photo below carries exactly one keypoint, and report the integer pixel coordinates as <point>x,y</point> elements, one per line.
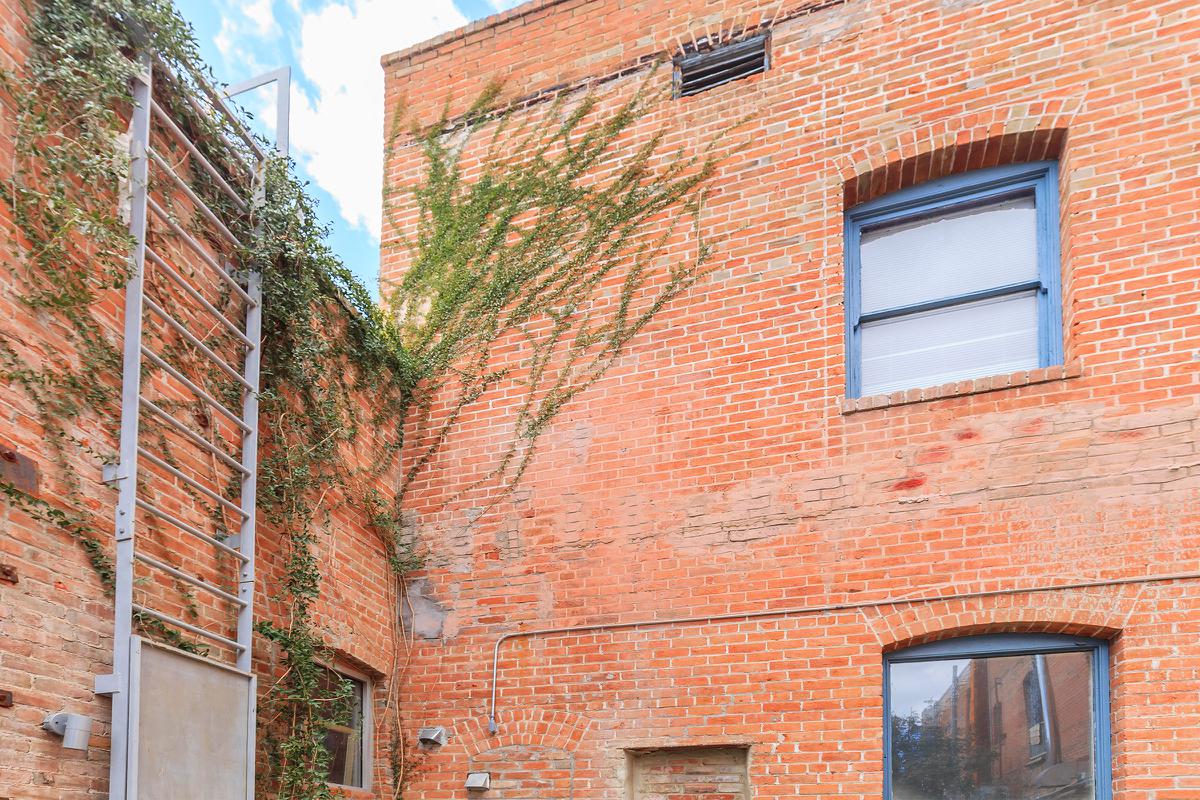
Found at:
<point>493,726</point>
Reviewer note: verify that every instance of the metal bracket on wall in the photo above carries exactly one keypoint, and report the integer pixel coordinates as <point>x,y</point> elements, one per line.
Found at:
<point>111,474</point>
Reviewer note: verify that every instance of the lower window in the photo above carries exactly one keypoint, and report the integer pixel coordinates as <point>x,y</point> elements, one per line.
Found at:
<point>1001,717</point>
<point>346,729</point>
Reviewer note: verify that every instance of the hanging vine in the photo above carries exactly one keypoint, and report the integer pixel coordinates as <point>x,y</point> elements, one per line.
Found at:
<point>545,229</point>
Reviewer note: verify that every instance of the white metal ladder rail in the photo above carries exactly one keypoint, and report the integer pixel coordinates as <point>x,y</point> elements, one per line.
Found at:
<point>248,289</point>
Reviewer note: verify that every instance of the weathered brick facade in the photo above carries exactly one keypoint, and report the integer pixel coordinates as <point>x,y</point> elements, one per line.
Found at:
<point>719,470</point>
<point>56,619</point>
<point>719,475</point>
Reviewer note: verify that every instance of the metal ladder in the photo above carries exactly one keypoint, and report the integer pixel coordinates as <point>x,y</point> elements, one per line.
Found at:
<point>244,290</point>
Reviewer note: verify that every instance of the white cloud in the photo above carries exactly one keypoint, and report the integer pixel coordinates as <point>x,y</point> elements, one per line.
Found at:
<point>337,129</point>
<point>225,36</point>
<point>262,14</point>
<point>238,26</point>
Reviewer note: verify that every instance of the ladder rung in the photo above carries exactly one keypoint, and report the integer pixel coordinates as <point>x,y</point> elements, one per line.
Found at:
<point>191,579</point>
<point>198,248</point>
<point>196,390</point>
<point>195,198</point>
<point>186,528</point>
<point>194,437</point>
<point>190,481</point>
<point>180,281</point>
<point>187,626</point>
<point>196,343</point>
<point>218,102</point>
<point>170,125</point>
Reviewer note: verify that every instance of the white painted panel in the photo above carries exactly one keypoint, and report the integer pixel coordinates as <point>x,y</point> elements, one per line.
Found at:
<point>194,723</point>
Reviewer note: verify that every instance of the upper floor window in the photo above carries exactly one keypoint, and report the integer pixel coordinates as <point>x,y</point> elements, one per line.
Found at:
<point>1020,717</point>
<point>954,279</point>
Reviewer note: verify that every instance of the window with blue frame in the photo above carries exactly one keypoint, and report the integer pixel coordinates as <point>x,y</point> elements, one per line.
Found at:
<point>954,279</point>
<point>998,717</point>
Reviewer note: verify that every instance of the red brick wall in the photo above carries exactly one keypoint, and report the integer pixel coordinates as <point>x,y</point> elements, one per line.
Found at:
<point>55,625</point>
<point>56,622</point>
<point>719,469</point>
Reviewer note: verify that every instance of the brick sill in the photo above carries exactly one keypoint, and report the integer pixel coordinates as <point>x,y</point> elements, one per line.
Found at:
<point>1031,377</point>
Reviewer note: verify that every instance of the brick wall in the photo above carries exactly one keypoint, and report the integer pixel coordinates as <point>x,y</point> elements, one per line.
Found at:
<point>53,620</point>
<point>719,469</point>
<point>56,621</point>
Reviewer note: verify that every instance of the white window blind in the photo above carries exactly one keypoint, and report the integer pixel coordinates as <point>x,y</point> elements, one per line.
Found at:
<point>972,340</point>
<point>953,253</point>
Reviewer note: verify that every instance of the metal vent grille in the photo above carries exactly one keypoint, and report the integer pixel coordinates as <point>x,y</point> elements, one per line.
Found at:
<point>700,72</point>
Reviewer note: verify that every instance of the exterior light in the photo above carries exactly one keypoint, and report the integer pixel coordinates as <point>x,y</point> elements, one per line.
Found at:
<point>75,729</point>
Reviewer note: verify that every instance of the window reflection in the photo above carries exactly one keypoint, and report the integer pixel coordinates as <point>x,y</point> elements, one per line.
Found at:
<point>999,728</point>
<point>344,734</point>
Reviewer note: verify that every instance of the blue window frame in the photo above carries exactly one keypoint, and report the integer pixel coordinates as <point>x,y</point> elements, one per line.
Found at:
<point>957,719</point>
<point>951,293</point>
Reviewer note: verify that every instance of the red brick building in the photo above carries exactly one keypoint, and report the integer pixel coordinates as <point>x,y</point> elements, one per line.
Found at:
<point>900,500</point>
<point>738,535</point>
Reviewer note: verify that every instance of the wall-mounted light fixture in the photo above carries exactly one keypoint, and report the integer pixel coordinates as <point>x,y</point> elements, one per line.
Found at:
<point>75,729</point>
<point>479,781</point>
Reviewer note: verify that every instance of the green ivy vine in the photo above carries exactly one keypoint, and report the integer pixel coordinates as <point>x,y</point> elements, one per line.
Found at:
<point>545,228</point>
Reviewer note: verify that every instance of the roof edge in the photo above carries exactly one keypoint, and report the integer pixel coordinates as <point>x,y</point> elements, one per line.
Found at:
<point>478,26</point>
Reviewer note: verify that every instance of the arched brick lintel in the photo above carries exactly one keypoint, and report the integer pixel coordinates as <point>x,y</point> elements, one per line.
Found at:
<point>1100,613</point>
<point>985,138</point>
<point>538,727</point>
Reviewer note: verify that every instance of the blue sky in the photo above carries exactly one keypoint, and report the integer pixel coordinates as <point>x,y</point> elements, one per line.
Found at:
<point>333,47</point>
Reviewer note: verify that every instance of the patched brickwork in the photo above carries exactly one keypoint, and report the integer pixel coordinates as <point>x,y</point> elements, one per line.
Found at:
<point>721,470</point>
<point>528,772</point>
<point>689,773</point>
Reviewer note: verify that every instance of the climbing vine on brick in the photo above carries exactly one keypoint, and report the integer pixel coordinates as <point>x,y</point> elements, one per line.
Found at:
<point>552,234</point>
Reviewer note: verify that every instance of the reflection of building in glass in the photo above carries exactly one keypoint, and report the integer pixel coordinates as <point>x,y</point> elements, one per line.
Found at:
<point>1011,728</point>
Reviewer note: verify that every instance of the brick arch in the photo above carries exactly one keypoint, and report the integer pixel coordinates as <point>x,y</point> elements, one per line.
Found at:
<point>984,138</point>
<point>546,728</point>
<point>1099,613</point>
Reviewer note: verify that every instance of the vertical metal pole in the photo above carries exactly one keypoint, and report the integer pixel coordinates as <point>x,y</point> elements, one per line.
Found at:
<point>283,110</point>
<point>245,625</point>
<point>127,469</point>
<point>1048,738</point>
<point>246,541</point>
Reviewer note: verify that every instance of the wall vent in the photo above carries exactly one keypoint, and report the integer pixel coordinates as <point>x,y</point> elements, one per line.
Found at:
<point>699,72</point>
